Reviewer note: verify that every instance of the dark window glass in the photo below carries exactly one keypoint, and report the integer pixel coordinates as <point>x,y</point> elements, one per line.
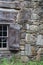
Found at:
<point>4,33</point>
<point>0,28</point>
<point>0,39</point>
<point>4,45</point>
<point>4,40</point>
<point>5,28</point>
<point>0,33</point>
<point>3,36</point>
<point>0,44</point>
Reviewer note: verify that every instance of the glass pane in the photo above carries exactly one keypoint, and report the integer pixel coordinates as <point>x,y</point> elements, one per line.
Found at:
<point>0,27</point>
<point>0,44</point>
<point>4,45</point>
<point>4,27</point>
<point>0,40</point>
<point>4,33</point>
<point>1,33</point>
<point>4,40</point>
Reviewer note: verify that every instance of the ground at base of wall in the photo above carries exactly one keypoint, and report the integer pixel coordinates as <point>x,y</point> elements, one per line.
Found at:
<point>13,61</point>
<point>18,60</point>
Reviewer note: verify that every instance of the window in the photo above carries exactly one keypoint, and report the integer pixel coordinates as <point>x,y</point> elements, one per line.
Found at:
<point>3,36</point>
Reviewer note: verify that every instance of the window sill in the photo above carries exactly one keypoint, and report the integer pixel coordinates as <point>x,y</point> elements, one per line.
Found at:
<point>4,49</point>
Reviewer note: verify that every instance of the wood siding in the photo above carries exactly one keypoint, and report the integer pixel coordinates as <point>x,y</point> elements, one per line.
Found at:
<point>14,39</point>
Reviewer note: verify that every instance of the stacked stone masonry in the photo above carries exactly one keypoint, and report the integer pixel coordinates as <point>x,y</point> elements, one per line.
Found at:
<point>29,15</point>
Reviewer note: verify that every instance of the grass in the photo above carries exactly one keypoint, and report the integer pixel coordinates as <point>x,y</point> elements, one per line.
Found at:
<point>14,61</point>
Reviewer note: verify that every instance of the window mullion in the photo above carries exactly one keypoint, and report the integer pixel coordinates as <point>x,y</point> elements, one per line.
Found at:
<point>7,31</point>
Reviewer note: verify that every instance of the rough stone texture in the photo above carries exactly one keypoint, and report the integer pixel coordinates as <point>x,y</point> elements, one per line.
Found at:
<point>22,47</point>
<point>30,38</point>
<point>41,26</point>
<point>22,42</point>
<point>39,40</point>
<point>29,15</point>
<point>24,15</point>
<point>34,28</point>
<point>22,53</point>
<point>23,34</point>
<point>28,50</point>
<point>24,58</point>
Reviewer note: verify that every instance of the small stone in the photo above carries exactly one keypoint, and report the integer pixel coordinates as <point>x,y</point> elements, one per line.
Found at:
<point>23,35</point>
<point>41,21</point>
<point>24,58</point>
<point>41,32</point>
<point>33,49</point>
<point>34,16</point>
<point>41,26</point>
<point>27,26</point>
<point>35,4</point>
<point>28,49</point>
<point>34,28</point>
<point>41,50</point>
<point>18,55</point>
<point>22,53</point>
<point>36,23</point>
<point>22,48</point>
<point>30,38</point>
<point>22,41</point>
<point>39,40</point>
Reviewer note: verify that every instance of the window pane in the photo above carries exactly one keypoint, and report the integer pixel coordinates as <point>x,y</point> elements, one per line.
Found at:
<point>0,27</point>
<point>0,39</point>
<point>4,33</point>
<point>1,33</point>
<point>0,45</point>
<point>4,27</point>
<point>4,45</point>
<point>4,40</point>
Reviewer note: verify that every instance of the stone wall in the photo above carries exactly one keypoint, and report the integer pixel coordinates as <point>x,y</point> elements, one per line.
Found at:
<point>30,18</point>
